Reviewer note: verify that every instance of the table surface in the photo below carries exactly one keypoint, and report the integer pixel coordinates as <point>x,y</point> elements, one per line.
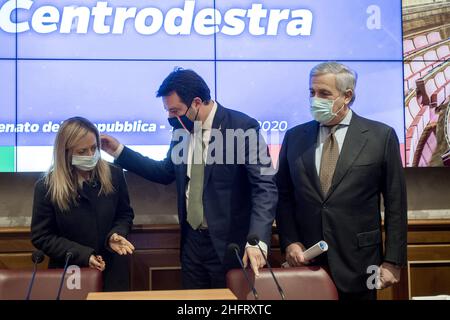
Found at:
<point>204,294</point>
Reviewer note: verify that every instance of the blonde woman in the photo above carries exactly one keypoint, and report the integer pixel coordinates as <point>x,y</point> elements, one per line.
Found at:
<point>82,205</point>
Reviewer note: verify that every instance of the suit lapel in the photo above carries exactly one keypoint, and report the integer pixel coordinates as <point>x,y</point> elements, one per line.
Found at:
<point>354,142</point>
<point>217,124</point>
<point>309,156</point>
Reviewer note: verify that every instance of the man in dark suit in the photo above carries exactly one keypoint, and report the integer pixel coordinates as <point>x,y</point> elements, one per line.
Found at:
<point>225,191</point>
<point>332,174</point>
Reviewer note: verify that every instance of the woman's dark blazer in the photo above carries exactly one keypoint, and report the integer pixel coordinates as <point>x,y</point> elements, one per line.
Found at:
<point>85,228</point>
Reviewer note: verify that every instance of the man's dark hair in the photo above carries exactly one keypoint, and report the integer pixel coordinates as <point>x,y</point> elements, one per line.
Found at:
<point>187,84</point>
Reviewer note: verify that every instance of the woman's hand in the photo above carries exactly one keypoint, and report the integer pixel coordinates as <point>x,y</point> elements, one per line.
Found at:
<point>96,262</point>
<point>120,245</point>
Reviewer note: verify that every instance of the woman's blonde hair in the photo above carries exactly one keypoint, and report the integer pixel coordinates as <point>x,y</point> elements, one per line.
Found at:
<point>62,178</point>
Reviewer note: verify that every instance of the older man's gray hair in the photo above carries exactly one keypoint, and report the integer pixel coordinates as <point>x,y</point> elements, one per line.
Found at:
<point>345,77</point>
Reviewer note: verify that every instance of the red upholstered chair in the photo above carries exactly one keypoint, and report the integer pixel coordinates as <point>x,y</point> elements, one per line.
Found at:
<point>14,284</point>
<point>302,283</point>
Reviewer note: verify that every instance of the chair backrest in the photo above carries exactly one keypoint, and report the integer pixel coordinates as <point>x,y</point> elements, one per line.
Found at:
<point>443,52</point>
<point>440,80</point>
<point>408,46</point>
<point>434,37</point>
<point>302,283</point>
<point>420,41</point>
<point>14,284</point>
<point>447,73</point>
<point>417,64</point>
<point>430,57</point>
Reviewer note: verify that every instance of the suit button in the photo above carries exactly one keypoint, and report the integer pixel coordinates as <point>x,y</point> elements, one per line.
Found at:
<point>324,206</point>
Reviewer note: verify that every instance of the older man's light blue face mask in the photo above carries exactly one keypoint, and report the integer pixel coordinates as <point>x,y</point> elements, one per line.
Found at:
<point>322,109</point>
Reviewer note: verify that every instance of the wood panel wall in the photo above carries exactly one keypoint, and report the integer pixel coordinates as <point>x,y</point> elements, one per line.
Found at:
<point>155,264</point>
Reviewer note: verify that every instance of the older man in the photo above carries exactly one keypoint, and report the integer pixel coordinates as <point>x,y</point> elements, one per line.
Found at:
<point>332,174</point>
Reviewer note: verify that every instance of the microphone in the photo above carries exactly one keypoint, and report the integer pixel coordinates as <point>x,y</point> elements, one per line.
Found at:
<point>37,257</point>
<point>233,247</point>
<point>254,241</point>
<point>69,255</point>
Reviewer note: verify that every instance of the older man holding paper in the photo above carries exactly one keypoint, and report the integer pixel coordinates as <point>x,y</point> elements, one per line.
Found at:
<point>332,174</point>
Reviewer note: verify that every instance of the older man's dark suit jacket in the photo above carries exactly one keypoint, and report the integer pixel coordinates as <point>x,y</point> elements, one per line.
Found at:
<point>348,217</point>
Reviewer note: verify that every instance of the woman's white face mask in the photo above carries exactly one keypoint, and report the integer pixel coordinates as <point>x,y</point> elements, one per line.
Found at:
<point>86,163</point>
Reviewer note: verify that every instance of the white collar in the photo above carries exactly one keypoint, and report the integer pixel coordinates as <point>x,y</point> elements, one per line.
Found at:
<point>207,124</point>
